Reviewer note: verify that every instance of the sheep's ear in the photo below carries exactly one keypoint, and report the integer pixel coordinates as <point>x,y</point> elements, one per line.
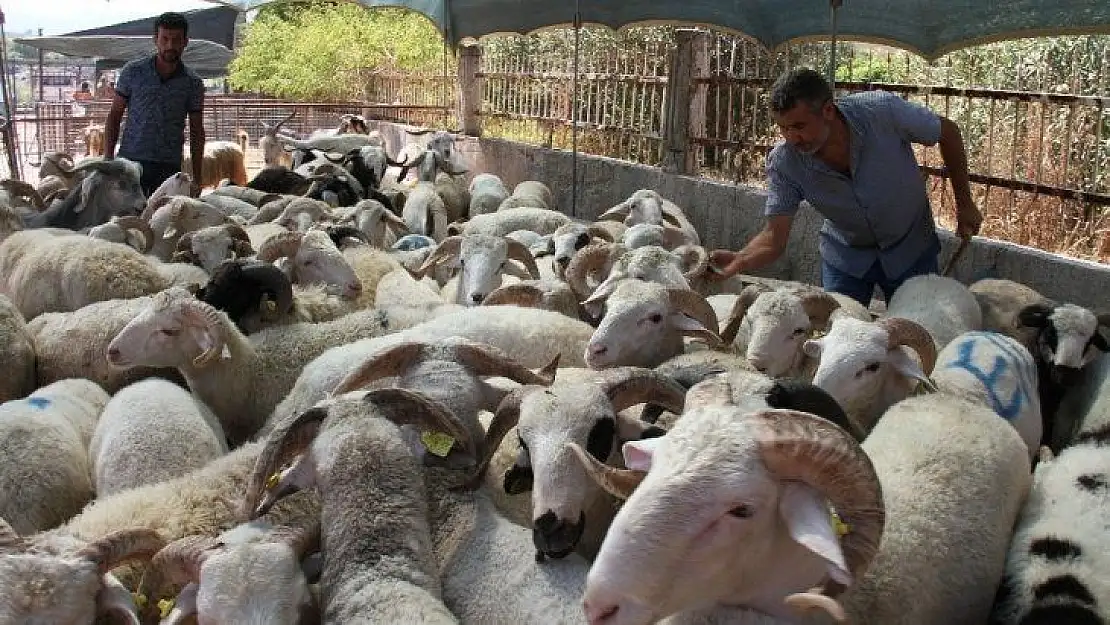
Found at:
<point>904,364</point>
<point>810,523</point>
<point>1035,315</point>
<point>638,454</point>
<point>87,187</point>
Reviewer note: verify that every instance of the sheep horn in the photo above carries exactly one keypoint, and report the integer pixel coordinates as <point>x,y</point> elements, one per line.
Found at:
<point>177,563</point>
<point>523,295</point>
<point>122,546</point>
<point>281,123</point>
<point>695,257</point>
<point>694,305</point>
<point>628,386</point>
<point>504,419</point>
<point>739,309</point>
<point>393,163</point>
<point>597,232</point>
<point>587,261</point>
<point>130,222</point>
<point>419,160</point>
<point>486,360</point>
<point>392,362</point>
<point>819,305</point>
<point>617,482</point>
<point>236,231</point>
<point>518,252</point>
<point>806,601</point>
<point>280,245</point>
<point>338,233</point>
<point>24,189</point>
<point>9,539</point>
<point>799,446</point>
<point>911,334</point>
<point>270,277</point>
<point>302,540</point>
<point>213,324</point>
<point>185,244</point>
<point>152,207</point>
<point>447,248</point>
<point>286,441</point>
<point>408,407</point>
<point>617,213</point>
<point>394,219</point>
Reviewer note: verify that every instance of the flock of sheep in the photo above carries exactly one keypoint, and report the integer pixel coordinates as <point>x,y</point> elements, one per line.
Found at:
<point>329,394</point>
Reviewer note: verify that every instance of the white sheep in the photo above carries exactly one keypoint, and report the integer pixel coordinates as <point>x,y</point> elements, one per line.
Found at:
<point>487,192</point>
<point>131,231</point>
<point>943,306</point>
<point>644,325</point>
<point>17,352</point>
<point>250,573</point>
<point>648,207</point>
<point>179,184</point>
<point>149,432</point>
<point>240,378</point>
<point>538,220</point>
<point>313,259</point>
<point>211,245</point>
<point>481,260</point>
<point>44,440</point>
<point>178,216</point>
<point>553,295</point>
<point>380,225</point>
<point>272,151</point>
<point>222,159</point>
<point>568,239</point>
<point>996,371</point>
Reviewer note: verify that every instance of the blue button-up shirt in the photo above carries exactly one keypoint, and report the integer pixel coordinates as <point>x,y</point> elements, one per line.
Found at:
<point>881,211</point>
<point>154,130</point>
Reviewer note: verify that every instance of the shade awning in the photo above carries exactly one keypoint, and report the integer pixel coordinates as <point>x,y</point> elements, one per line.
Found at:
<point>930,28</point>
<point>207,59</point>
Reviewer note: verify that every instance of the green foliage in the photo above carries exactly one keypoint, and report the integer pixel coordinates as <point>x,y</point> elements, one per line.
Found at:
<point>329,51</point>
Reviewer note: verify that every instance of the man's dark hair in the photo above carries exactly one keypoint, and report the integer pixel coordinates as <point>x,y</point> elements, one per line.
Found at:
<point>800,85</point>
<point>172,21</point>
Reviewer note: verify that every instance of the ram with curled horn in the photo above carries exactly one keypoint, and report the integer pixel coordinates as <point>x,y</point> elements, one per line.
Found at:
<point>482,260</point>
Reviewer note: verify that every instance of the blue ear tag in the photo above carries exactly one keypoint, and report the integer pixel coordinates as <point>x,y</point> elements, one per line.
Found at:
<point>38,402</point>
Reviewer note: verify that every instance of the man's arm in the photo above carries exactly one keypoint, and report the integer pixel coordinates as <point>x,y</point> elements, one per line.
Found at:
<point>763,249</point>
<point>968,218</point>
<point>111,125</point>
<point>196,145</point>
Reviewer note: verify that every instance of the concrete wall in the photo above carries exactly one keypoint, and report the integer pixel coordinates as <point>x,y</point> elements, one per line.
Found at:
<point>727,215</point>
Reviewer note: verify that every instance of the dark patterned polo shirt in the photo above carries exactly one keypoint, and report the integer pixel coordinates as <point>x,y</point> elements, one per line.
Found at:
<point>154,127</point>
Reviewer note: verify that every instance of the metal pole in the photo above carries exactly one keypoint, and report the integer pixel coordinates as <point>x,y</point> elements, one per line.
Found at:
<point>574,117</point>
<point>8,124</point>
<point>40,69</point>
<point>833,5</point>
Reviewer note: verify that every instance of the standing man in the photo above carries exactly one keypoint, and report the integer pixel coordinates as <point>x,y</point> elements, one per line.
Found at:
<point>851,159</point>
<point>158,92</point>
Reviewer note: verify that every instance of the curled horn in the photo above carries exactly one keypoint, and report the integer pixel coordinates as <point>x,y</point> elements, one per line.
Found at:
<point>597,232</point>
<point>214,325</point>
<point>505,418</point>
<point>274,279</point>
<point>338,233</point>
<point>391,362</point>
<point>587,261</point>
<point>447,248</point>
<point>130,222</point>
<point>523,295</point>
<point>279,245</point>
<point>286,441</point>
<point>277,127</point>
<point>178,563</point>
<point>739,309</point>
<point>694,305</point>
<point>617,482</point>
<point>151,207</point>
<point>799,446</point>
<point>617,213</point>
<point>183,253</point>
<point>122,546</point>
<point>389,161</point>
<point>9,539</point>
<point>407,407</point>
<point>518,252</point>
<point>409,166</point>
<point>486,360</point>
<point>24,189</point>
<point>819,305</point>
<point>910,334</point>
<point>628,386</point>
<point>695,257</point>
<point>240,240</point>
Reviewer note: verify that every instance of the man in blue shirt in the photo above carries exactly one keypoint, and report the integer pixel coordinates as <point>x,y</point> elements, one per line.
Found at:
<point>158,92</point>
<point>851,159</point>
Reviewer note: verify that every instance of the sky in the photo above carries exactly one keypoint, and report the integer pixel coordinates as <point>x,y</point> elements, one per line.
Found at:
<point>56,17</point>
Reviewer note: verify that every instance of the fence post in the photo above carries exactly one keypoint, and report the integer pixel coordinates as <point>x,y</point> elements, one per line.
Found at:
<point>470,92</point>
<point>684,112</point>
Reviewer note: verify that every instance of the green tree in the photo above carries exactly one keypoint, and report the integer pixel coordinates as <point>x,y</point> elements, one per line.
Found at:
<point>330,51</point>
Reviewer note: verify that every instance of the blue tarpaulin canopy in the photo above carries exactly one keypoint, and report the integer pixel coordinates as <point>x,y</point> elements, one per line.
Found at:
<point>930,28</point>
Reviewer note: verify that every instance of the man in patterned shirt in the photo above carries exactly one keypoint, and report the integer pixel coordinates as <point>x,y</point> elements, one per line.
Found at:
<point>851,159</point>
<point>158,92</point>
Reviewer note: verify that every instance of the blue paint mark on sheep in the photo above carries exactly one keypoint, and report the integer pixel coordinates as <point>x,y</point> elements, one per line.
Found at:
<point>40,403</point>
<point>1006,408</point>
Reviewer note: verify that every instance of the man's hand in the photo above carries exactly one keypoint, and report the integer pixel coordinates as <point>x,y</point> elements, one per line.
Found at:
<point>721,265</point>
<point>968,219</point>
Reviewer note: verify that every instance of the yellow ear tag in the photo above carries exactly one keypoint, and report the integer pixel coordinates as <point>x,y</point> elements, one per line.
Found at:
<point>165,606</point>
<point>842,528</point>
<point>272,481</point>
<point>139,599</point>
<point>437,443</point>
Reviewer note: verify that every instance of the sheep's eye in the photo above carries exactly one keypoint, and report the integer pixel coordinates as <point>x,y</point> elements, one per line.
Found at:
<point>656,318</point>
<point>171,331</point>
<point>871,368</point>
<point>799,331</point>
<point>743,511</point>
